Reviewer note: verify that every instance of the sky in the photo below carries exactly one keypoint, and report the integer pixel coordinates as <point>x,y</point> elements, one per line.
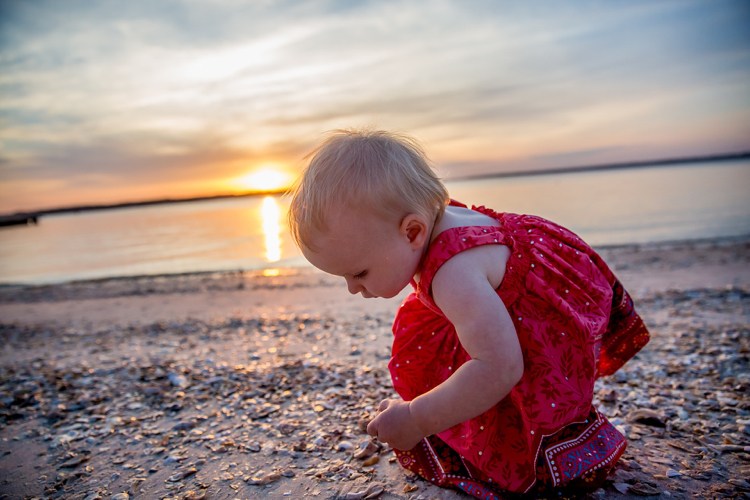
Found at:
<point>110,101</point>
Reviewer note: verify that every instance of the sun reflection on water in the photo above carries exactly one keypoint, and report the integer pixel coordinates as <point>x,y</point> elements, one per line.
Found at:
<point>270,216</point>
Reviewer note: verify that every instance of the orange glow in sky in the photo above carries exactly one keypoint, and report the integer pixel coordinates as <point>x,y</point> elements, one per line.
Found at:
<point>182,99</point>
<point>264,179</point>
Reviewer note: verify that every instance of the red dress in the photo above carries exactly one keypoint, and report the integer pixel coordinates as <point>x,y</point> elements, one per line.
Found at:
<point>575,323</point>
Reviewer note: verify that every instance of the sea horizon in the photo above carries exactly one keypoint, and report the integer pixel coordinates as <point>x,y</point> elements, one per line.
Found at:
<point>662,162</point>
<point>691,201</point>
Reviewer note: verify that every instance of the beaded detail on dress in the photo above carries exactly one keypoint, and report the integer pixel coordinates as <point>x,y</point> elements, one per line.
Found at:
<point>574,322</point>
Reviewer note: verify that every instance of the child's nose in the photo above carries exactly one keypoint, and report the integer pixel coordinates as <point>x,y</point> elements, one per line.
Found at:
<point>353,286</point>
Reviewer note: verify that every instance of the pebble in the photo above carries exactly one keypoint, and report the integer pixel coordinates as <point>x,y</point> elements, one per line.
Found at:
<point>344,446</point>
<point>263,479</point>
<point>645,416</point>
<point>621,487</point>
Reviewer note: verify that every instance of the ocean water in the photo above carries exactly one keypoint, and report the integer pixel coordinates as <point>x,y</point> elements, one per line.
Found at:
<point>606,207</point>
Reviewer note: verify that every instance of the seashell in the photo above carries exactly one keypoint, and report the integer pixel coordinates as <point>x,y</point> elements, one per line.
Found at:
<point>409,488</point>
<point>366,449</point>
<point>344,446</point>
<point>264,479</point>
<point>373,491</point>
<point>180,475</point>
<point>320,441</point>
<point>194,495</point>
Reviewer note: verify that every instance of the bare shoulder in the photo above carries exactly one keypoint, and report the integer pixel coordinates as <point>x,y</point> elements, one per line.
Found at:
<point>486,262</point>
<point>462,217</point>
<point>483,262</point>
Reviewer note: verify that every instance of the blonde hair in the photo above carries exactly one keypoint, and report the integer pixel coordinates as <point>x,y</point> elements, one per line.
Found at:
<point>372,169</point>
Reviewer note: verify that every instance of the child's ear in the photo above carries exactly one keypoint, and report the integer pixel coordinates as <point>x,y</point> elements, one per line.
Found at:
<point>415,229</point>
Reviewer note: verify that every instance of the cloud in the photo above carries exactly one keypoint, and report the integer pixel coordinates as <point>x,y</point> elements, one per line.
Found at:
<point>137,91</point>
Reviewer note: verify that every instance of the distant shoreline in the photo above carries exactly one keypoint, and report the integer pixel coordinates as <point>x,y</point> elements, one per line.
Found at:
<point>130,204</point>
<point>36,214</point>
<point>604,166</point>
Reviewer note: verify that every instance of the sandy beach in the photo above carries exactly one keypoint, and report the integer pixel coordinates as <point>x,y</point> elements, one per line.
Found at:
<point>239,385</point>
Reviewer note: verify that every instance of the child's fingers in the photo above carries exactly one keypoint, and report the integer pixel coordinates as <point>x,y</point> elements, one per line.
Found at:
<point>372,427</point>
<point>384,404</point>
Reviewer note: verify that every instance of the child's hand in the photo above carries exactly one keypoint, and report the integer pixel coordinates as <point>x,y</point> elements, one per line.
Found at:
<point>395,425</point>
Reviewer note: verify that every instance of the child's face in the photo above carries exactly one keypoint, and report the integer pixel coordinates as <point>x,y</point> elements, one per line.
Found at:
<point>376,257</point>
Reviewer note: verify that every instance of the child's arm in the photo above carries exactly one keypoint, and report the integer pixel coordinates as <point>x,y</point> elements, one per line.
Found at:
<point>464,289</point>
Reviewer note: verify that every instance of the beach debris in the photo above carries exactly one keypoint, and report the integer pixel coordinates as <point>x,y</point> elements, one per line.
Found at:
<point>344,446</point>
<point>194,495</point>
<point>410,488</point>
<point>621,487</point>
<point>372,491</point>
<point>366,449</point>
<point>74,461</point>
<point>178,380</point>
<point>646,417</point>
<point>264,478</point>
<point>179,410</point>
<point>182,474</point>
<point>644,489</point>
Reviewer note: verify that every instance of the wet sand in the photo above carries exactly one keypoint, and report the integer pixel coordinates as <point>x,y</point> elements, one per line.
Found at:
<point>238,385</point>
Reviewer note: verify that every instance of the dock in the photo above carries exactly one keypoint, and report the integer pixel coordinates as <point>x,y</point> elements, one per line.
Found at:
<point>23,219</point>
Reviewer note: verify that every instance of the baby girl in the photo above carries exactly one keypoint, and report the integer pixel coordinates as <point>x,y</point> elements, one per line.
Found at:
<point>511,320</point>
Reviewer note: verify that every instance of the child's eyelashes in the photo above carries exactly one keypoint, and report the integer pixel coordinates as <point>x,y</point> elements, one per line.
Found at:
<point>359,276</point>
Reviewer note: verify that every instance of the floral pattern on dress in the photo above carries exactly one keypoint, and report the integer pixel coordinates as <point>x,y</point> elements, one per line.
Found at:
<point>575,323</point>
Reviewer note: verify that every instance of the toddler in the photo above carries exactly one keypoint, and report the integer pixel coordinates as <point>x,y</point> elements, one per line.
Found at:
<point>496,351</point>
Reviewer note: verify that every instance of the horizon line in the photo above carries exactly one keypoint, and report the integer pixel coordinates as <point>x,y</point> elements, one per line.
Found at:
<point>603,166</point>
<point>479,176</point>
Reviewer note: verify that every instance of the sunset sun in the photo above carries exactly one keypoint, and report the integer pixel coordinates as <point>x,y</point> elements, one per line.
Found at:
<point>263,179</point>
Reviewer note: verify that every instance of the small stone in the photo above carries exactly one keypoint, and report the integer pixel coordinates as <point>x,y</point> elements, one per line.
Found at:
<point>647,417</point>
<point>194,495</point>
<point>184,426</point>
<point>621,487</point>
<point>320,441</point>
<point>264,479</point>
<point>178,380</point>
<point>740,483</point>
<point>643,489</point>
<point>180,475</point>
<point>74,462</point>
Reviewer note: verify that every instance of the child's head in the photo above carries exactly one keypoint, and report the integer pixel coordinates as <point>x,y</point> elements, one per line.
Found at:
<point>381,172</point>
